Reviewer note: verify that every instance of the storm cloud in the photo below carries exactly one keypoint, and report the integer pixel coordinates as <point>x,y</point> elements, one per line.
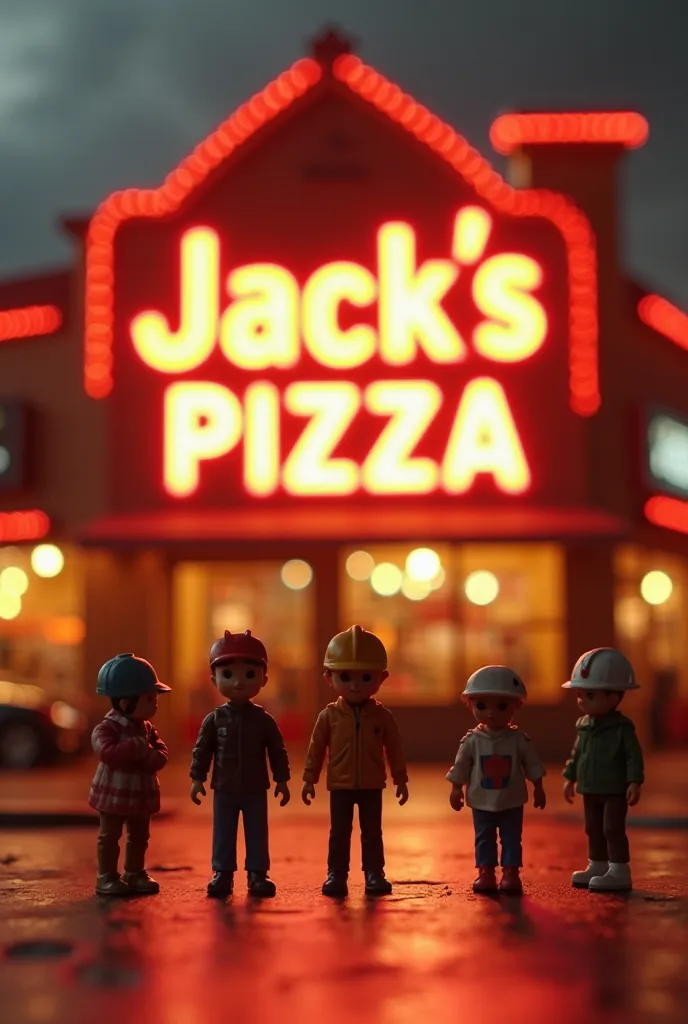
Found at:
<point>103,94</point>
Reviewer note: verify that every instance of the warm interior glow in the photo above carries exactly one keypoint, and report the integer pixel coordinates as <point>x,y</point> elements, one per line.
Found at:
<point>670,513</point>
<point>309,468</point>
<point>29,322</point>
<point>664,318</point>
<point>386,579</point>
<point>359,565</point>
<point>261,439</point>
<point>484,439</point>
<point>21,526</point>
<point>64,630</point>
<point>481,587</point>
<point>438,580</point>
<point>47,560</point>
<point>423,565</point>
<point>260,329</point>
<point>182,350</point>
<point>656,587</point>
<point>10,605</point>
<point>323,295</point>
<point>472,227</point>
<point>518,324</point>
<point>415,590</point>
<point>390,467</point>
<point>620,128</point>
<point>296,574</point>
<point>202,421</point>
<point>14,580</point>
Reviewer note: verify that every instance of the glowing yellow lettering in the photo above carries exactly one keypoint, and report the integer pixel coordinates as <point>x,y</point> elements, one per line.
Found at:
<point>323,294</point>
<point>412,405</point>
<point>202,421</point>
<point>472,227</point>
<point>261,438</point>
<point>484,439</point>
<point>309,469</point>
<point>261,327</point>
<point>410,311</point>
<point>178,351</point>
<point>518,324</point>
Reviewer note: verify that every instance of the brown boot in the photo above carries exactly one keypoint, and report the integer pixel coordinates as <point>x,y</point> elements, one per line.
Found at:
<point>141,882</point>
<point>486,880</point>
<point>112,885</point>
<point>511,880</point>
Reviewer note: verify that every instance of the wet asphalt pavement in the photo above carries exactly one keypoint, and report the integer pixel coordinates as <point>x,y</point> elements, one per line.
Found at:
<point>432,952</point>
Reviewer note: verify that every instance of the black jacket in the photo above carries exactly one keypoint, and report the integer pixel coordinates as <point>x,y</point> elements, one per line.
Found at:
<point>236,737</point>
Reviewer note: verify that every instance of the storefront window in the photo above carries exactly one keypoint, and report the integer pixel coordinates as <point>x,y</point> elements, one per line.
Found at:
<point>272,599</point>
<point>41,617</point>
<point>443,611</point>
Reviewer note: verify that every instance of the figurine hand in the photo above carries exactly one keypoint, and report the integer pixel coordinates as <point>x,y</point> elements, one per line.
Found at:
<point>402,793</point>
<point>633,794</point>
<point>196,788</point>
<point>282,789</point>
<point>539,798</point>
<point>456,797</point>
<point>308,793</point>
<point>569,791</point>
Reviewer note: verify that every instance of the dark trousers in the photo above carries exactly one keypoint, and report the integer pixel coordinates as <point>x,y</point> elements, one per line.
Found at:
<point>605,827</point>
<point>109,835</point>
<point>342,803</point>
<point>510,826</point>
<point>254,811</point>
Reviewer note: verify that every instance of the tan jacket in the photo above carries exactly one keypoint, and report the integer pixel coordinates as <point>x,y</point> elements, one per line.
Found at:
<point>356,743</point>
<point>495,766</point>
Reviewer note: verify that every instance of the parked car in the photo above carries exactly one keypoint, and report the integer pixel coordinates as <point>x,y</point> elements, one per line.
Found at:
<point>36,727</point>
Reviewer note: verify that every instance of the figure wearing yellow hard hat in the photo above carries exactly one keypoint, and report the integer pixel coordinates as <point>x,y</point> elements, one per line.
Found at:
<point>356,732</point>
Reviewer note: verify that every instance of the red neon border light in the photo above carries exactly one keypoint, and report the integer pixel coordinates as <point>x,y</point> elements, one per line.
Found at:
<point>670,513</point>
<point>18,526</point>
<point>443,140</point>
<point>620,128</point>
<point>664,318</point>
<point>29,322</point>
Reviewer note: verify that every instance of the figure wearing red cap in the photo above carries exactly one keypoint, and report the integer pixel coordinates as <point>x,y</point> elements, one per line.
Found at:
<point>236,737</point>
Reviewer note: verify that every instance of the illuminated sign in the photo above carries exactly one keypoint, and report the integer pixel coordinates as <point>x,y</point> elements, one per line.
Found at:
<point>667,453</point>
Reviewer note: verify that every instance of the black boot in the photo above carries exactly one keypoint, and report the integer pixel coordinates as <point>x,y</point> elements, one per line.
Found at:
<point>376,884</point>
<point>260,885</point>
<point>335,884</point>
<point>221,884</point>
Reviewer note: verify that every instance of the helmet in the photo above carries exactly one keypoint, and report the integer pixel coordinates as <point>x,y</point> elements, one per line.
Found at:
<point>356,648</point>
<point>126,675</point>
<point>238,647</point>
<point>495,680</point>
<point>603,668</point>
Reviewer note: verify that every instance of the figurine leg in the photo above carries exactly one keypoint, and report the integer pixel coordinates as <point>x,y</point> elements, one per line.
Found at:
<point>510,835</point>
<point>135,874</point>
<point>108,882</point>
<point>485,825</point>
<point>339,851</point>
<point>225,826</point>
<point>372,847</point>
<point>254,809</point>
<point>618,875</point>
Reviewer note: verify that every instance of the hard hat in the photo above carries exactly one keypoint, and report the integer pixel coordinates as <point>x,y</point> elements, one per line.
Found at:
<point>356,648</point>
<point>603,668</point>
<point>495,680</point>
<point>238,647</point>
<point>126,675</point>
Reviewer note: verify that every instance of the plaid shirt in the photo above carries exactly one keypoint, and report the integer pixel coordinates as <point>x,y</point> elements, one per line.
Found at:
<point>130,754</point>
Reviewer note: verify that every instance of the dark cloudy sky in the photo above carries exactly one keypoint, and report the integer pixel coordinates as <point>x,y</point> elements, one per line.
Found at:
<point>103,94</point>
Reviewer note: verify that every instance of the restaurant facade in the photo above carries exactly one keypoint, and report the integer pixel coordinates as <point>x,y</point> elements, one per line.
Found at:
<point>336,369</point>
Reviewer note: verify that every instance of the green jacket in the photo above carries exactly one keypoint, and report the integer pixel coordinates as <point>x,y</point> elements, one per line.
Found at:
<point>606,756</point>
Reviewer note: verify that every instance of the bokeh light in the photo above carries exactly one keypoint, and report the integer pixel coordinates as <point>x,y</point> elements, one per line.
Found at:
<point>10,605</point>
<point>360,565</point>
<point>47,560</point>
<point>415,590</point>
<point>438,580</point>
<point>423,564</point>
<point>386,579</point>
<point>296,574</point>
<point>14,580</point>
<point>481,587</point>
<point>656,587</point>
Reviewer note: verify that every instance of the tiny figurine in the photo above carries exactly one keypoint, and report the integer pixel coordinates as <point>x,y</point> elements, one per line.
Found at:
<point>236,736</point>
<point>493,761</point>
<point>356,731</point>
<point>605,767</point>
<point>125,788</point>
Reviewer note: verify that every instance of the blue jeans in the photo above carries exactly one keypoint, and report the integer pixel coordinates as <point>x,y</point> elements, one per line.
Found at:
<point>510,825</point>
<point>254,809</point>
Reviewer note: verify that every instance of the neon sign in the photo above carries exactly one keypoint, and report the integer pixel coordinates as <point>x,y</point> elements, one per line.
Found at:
<point>269,322</point>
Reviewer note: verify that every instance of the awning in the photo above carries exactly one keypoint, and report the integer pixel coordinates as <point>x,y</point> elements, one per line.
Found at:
<point>351,522</point>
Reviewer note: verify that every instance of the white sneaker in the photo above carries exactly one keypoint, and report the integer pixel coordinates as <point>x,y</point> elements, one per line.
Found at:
<point>581,879</point>
<point>617,877</point>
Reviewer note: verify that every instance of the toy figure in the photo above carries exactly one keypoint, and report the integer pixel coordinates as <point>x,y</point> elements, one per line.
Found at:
<point>605,767</point>
<point>356,731</point>
<point>125,788</point>
<point>237,736</point>
<point>494,760</point>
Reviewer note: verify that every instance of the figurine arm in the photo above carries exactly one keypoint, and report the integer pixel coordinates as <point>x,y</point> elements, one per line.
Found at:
<point>203,751</point>
<point>394,751</point>
<point>116,753</point>
<point>317,748</point>
<point>277,752</point>
<point>570,771</point>
<point>460,772</point>
<point>635,768</point>
<point>532,765</point>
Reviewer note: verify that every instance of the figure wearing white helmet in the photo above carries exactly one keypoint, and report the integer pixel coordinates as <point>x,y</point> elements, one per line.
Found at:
<point>605,767</point>
<point>493,761</point>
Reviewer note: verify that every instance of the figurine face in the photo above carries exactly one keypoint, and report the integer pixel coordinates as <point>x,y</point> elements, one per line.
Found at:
<point>355,685</point>
<point>146,706</point>
<point>597,702</point>
<point>493,710</point>
<point>239,681</point>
